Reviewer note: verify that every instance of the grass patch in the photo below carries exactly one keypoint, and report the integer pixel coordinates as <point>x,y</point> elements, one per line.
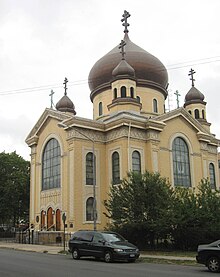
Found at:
<point>165,261</point>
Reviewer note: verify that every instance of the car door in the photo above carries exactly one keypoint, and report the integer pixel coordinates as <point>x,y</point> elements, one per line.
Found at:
<point>97,245</point>
<point>85,243</point>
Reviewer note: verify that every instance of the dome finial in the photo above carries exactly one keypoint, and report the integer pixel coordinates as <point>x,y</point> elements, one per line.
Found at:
<point>125,24</point>
<point>191,73</point>
<point>65,86</point>
<point>121,46</point>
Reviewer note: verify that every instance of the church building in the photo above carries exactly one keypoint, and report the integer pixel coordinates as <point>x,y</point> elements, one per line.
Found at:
<point>75,160</point>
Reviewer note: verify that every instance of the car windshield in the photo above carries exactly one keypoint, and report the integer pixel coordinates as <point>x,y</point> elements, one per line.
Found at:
<point>112,237</point>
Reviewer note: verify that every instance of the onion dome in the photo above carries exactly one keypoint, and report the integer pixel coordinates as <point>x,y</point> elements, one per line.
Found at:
<point>65,104</point>
<point>123,69</point>
<point>193,95</point>
<point>149,71</point>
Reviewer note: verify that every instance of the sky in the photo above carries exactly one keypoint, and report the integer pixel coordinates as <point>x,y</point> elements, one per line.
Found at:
<point>44,41</point>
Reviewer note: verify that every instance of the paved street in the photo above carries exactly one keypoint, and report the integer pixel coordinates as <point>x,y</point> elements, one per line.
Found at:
<point>15,263</point>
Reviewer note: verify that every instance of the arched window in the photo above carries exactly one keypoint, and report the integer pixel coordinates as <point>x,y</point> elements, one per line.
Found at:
<point>123,91</point>
<point>50,219</point>
<point>115,93</point>
<point>43,221</point>
<point>190,112</point>
<point>138,99</point>
<point>89,209</point>
<point>212,175</point>
<point>181,165</point>
<point>196,113</point>
<point>58,220</point>
<point>136,162</point>
<point>115,168</point>
<point>155,106</point>
<point>89,168</point>
<point>203,114</point>
<point>132,92</point>
<point>51,165</point>
<point>100,108</point>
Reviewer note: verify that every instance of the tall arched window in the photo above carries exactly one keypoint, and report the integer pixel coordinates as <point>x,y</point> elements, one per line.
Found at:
<point>190,112</point>
<point>115,168</point>
<point>58,220</point>
<point>89,209</point>
<point>115,93</point>
<point>132,92</point>
<point>100,108</point>
<point>136,162</point>
<point>51,165</point>
<point>123,91</point>
<point>212,175</point>
<point>50,224</point>
<point>155,106</point>
<point>196,113</point>
<point>138,99</point>
<point>203,114</point>
<point>181,164</point>
<point>89,168</point>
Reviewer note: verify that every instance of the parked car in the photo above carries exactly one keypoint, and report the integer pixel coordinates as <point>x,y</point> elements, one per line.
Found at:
<point>105,245</point>
<point>209,255</point>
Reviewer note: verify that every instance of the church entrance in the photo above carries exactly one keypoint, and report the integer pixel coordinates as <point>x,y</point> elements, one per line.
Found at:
<point>49,219</point>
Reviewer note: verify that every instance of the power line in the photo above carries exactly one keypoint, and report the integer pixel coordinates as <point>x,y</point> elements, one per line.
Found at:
<point>82,82</point>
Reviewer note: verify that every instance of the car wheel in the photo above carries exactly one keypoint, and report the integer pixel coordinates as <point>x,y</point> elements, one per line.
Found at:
<point>213,264</point>
<point>108,257</point>
<point>75,254</point>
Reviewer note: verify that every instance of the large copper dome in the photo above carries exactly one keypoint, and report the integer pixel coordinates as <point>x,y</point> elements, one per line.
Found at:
<point>149,71</point>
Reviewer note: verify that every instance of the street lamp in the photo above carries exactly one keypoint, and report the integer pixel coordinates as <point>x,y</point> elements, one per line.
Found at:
<point>94,173</point>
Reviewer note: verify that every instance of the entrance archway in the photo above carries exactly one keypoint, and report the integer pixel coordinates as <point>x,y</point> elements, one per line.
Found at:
<point>49,218</point>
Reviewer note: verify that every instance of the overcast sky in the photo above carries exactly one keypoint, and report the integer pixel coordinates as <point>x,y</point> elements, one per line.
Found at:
<point>44,41</point>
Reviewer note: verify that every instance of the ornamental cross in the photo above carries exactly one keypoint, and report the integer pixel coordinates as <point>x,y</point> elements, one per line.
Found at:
<point>121,46</point>
<point>125,24</point>
<point>65,87</point>
<point>191,73</point>
<point>177,98</point>
<point>51,98</point>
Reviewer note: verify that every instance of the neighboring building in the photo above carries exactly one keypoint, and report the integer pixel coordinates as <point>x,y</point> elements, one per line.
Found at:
<point>130,130</point>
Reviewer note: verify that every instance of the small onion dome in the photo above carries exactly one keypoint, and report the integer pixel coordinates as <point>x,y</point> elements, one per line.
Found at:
<point>65,105</point>
<point>123,69</point>
<point>194,96</point>
<point>149,71</point>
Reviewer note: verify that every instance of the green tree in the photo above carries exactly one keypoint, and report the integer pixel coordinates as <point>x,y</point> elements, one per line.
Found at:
<point>196,216</point>
<point>14,188</point>
<point>142,202</point>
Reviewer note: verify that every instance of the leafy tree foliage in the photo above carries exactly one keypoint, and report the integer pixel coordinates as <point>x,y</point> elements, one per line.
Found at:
<point>196,216</point>
<point>14,188</point>
<point>141,204</point>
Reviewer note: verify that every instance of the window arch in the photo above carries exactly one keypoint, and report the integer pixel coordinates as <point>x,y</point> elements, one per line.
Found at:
<point>196,113</point>
<point>136,161</point>
<point>212,175</point>
<point>203,114</point>
<point>51,165</point>
<point>190,112</point>
<point>115,168</point>
<point>181,163</point>
<point>132,92</point>
<point>100,108</point>
<point>89,168</point>
<point>155,107</point>
<point>123,91</point>
<point>89,209</point>
<point>115,93</point>
<point>138,99</point>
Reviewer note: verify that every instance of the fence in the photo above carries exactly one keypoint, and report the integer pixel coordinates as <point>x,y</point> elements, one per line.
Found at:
<point>36,237</point>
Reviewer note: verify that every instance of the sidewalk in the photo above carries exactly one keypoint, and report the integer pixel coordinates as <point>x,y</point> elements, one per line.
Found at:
<point>51,249</point>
